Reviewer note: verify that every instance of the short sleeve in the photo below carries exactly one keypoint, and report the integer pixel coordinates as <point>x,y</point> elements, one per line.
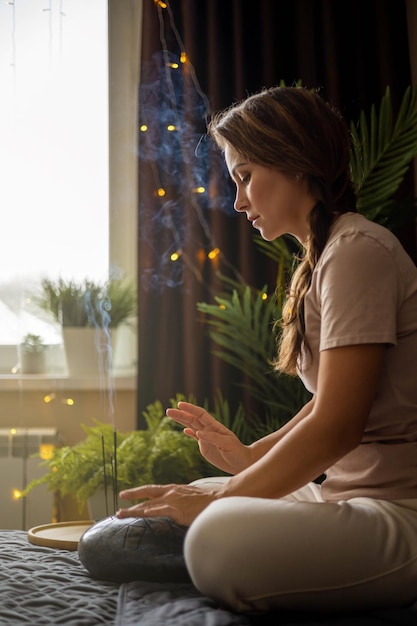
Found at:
<point>358,288</point>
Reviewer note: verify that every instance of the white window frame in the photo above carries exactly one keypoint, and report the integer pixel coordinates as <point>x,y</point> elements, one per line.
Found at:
<point>124,32</point>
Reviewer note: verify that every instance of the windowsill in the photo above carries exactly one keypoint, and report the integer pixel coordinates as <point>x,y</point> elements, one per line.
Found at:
<point>123,380</point>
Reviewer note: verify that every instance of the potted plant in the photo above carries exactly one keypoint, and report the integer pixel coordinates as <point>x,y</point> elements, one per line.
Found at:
<point>161,453</point>
<point>32,351</point>
<point>89,313</point>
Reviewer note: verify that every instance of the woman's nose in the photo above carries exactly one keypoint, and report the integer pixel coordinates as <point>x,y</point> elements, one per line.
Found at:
<point>240,201</point>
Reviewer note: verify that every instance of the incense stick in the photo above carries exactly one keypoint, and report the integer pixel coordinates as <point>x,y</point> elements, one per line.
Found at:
<point>104,474</point>
<point>115,494</point>
<point>112,481</point>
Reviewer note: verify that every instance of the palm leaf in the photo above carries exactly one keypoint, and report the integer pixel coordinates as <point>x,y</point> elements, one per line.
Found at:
<point>241,327</point>
<point>382,152</point>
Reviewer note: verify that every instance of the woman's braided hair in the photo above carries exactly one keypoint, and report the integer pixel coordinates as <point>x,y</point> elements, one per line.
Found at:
<point>295,130</point>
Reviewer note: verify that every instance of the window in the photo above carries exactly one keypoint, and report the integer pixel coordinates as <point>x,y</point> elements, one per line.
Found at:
<point>54,159</point>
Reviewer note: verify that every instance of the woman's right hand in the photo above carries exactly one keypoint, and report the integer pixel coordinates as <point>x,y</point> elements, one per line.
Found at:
<point>217,444</point>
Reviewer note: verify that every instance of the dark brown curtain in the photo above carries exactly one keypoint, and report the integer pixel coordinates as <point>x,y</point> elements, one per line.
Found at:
<point>350,50</point>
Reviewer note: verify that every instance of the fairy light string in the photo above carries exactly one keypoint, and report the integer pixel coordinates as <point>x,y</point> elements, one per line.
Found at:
<point>184,118</point>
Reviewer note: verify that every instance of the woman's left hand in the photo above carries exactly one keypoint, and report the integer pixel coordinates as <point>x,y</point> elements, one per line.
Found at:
<point>182,503</point>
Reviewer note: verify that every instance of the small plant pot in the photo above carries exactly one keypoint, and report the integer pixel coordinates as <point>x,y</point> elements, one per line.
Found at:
<point>33,363</point>
<point>88,351</point>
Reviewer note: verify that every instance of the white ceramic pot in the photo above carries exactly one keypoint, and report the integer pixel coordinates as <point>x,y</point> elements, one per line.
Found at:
<point>89,351</point>
<point>33,362</point>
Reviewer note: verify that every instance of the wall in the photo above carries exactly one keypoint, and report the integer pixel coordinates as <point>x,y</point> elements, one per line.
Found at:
<point>28,407</point>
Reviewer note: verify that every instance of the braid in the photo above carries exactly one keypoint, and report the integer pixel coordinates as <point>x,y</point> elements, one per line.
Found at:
<point>293,319</point>
<point>328,208</point>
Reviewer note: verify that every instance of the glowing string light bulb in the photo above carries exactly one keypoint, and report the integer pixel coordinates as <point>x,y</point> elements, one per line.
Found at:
<point>143,128</point>
<point>183,57</point>
<point>174,66</point>
<point>68,401</point>
<point>199,189</point>
<point>160,192</point>
<point>49,398</point>
<point>161,4</point>
<point>16,494</point>
<point>46,451</point>
<point>175,255</point>
<point>264,296</point>
<point>213,253</point>
<point>171,127</point>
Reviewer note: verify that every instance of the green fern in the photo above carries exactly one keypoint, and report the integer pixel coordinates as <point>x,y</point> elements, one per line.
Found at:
<point>160,453</point>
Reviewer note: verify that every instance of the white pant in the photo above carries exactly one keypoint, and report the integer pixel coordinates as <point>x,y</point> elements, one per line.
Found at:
<point>255,554</point>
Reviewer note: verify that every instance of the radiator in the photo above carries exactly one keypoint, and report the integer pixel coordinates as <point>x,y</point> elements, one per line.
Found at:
<point>18,467</point>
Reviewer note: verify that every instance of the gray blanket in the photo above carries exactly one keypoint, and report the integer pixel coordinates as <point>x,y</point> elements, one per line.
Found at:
<point>160,604</point>
<point>169,604</point>
<point>45,586</point>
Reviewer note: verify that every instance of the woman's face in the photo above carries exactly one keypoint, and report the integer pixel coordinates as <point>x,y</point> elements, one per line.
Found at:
<point>274,203</point>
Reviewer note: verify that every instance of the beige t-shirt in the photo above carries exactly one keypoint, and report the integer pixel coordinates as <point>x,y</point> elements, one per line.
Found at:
<point>364,290</point>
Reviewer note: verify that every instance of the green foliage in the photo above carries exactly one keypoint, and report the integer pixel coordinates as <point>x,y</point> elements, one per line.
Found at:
<point>241,326</point>
<point>247,430</point>
<point>88,303</point>
<point>161,454</point>
<point>236,422</point>
<point>240,322</point>
<point>122,298</point>
<point>33,344</point>
<point>381,155</point>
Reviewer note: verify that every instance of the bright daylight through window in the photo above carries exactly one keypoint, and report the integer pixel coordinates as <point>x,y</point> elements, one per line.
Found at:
<point>54,198</point>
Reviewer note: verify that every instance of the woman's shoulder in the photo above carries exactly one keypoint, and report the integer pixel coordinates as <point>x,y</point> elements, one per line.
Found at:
<point>365,251</point>
<point>356,224</point>
<point>355,232</point>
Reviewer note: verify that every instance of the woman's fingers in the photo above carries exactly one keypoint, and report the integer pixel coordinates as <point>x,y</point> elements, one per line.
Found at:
<point>195,417</point>
<point>192,412</point>
<point>194,409</point>
<point>146,491</point>
<point>191,433</point>
<point>179,416</point>
<point>190,420</point>
<point>155,510</point>
<point>220,440</point>
<point>182,503</point>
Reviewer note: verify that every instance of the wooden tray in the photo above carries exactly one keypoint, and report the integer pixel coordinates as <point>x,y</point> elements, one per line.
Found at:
<point>64,535</point>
